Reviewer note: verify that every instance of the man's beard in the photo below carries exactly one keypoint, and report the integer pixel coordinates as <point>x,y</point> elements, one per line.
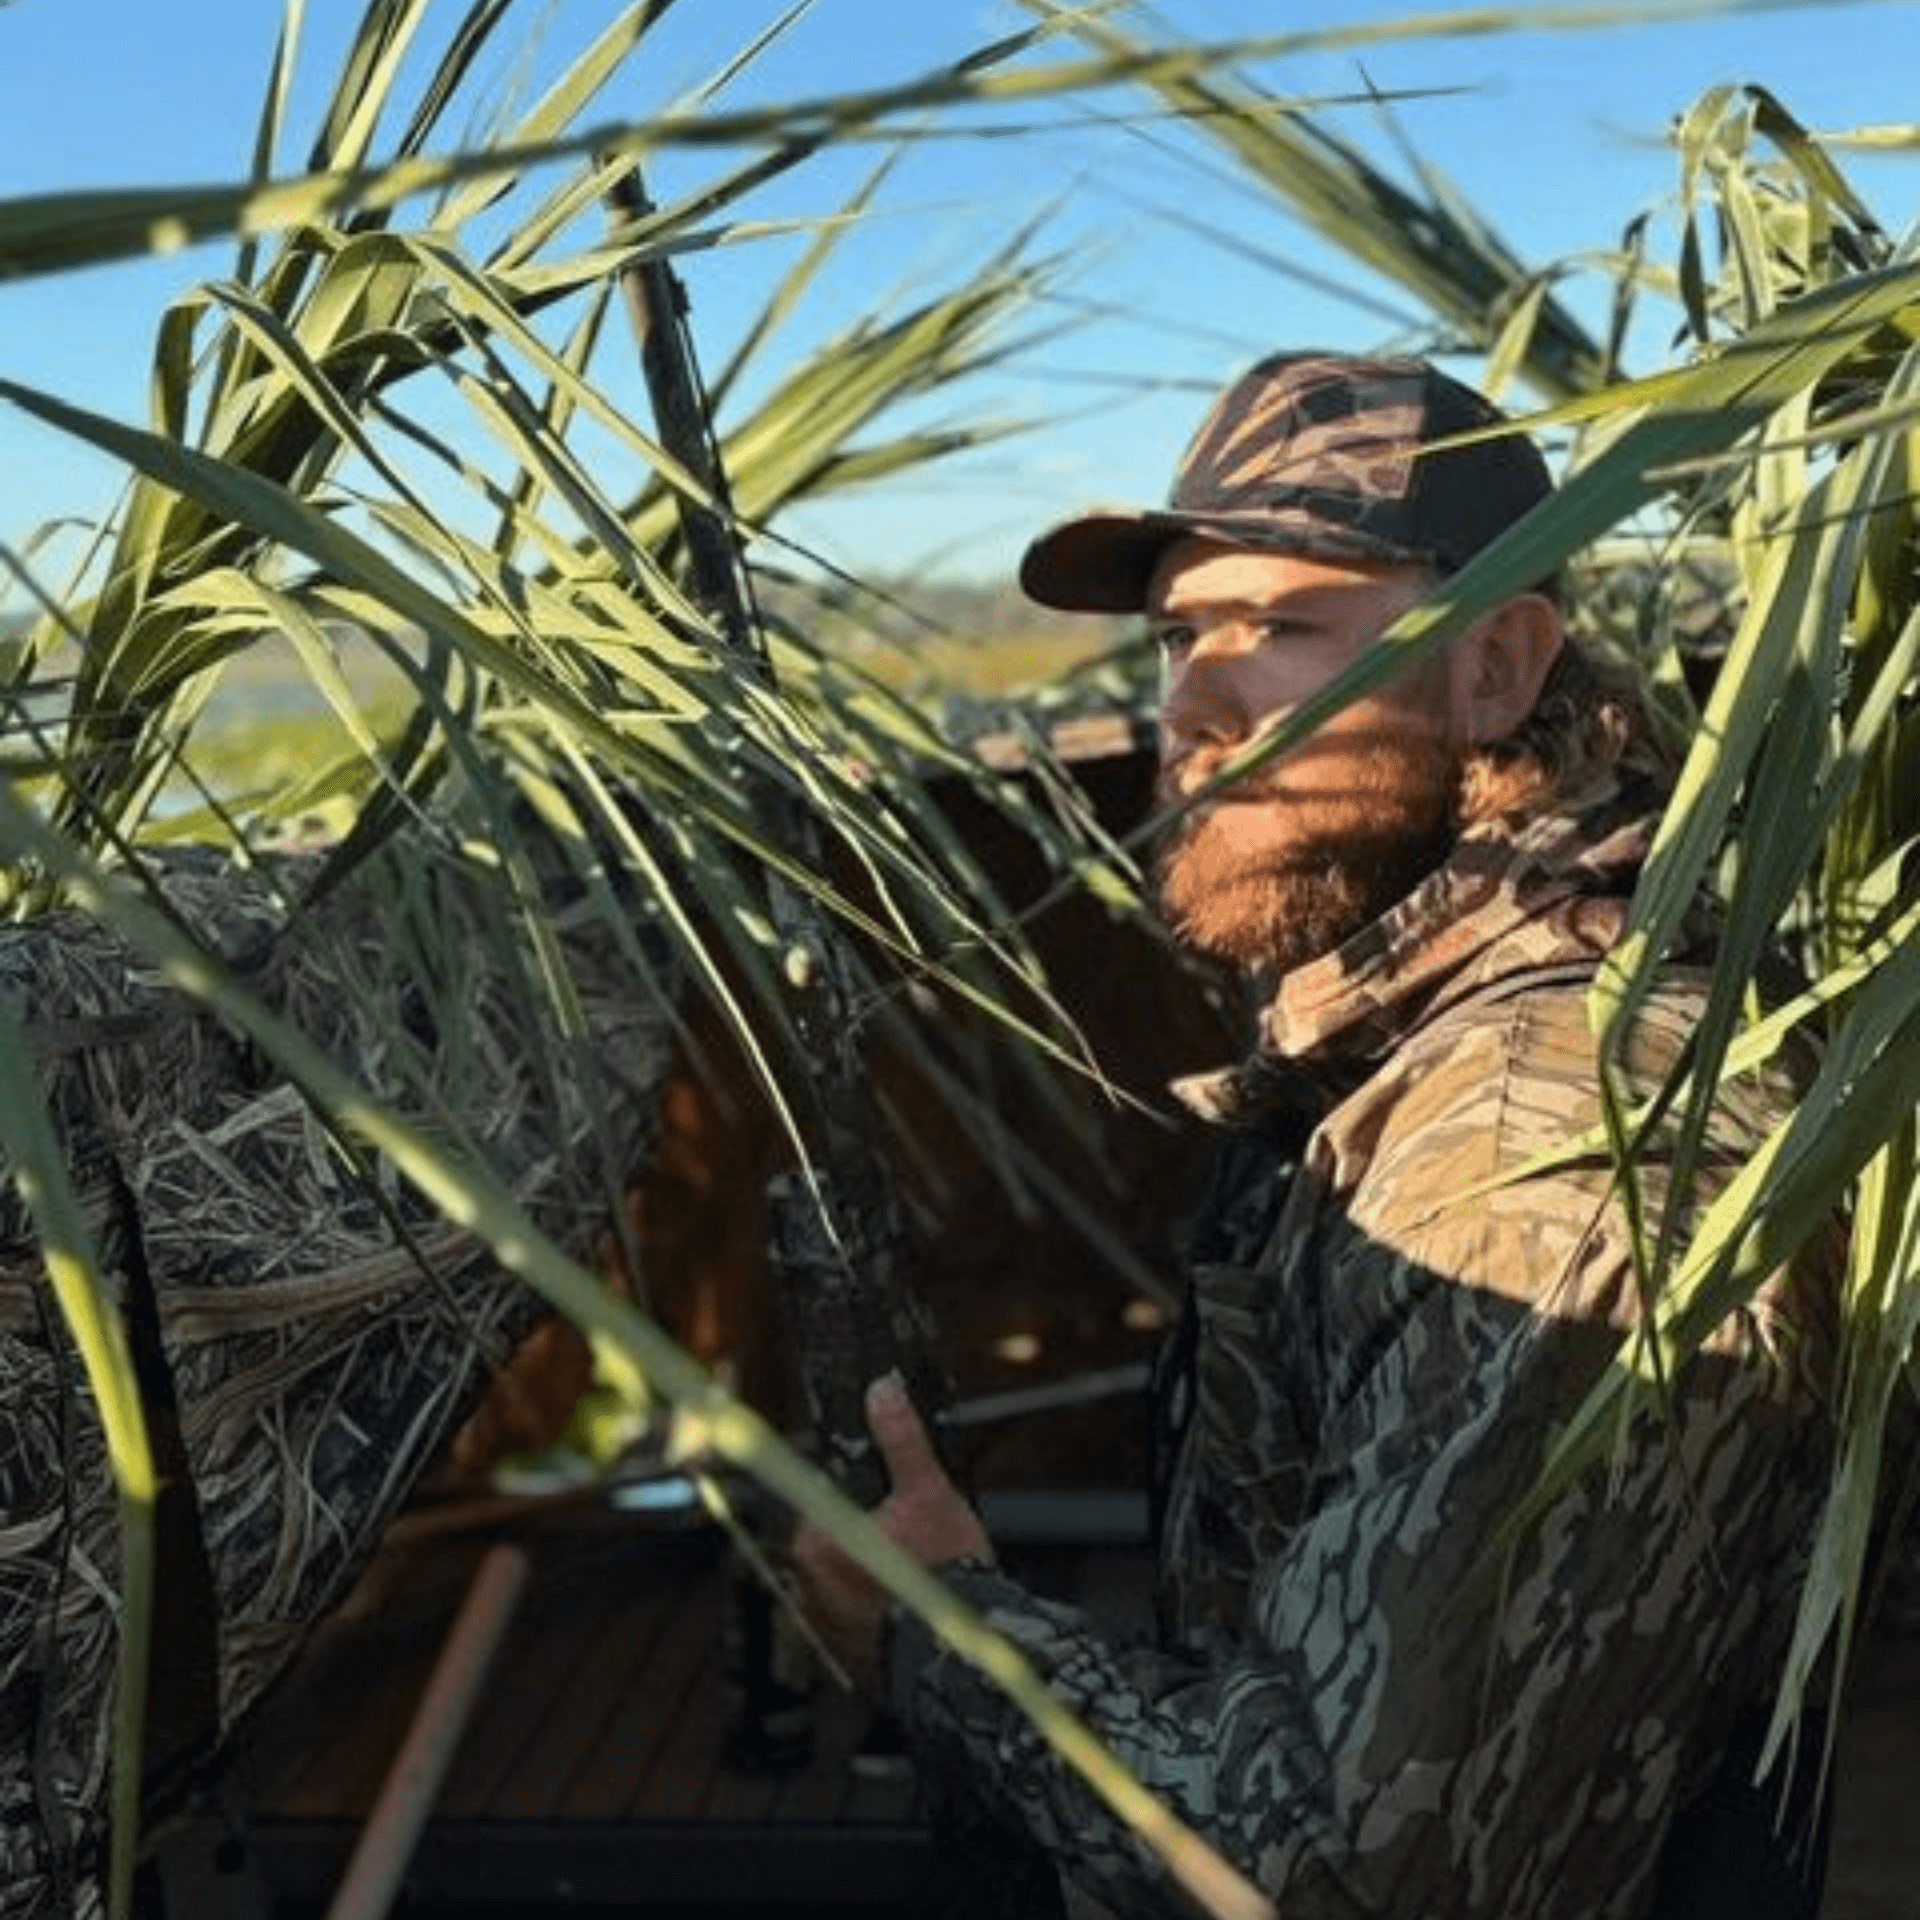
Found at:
<point>1270,903</point>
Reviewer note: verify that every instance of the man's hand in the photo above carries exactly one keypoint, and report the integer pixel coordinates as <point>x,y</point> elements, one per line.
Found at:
<point>924,1514</point>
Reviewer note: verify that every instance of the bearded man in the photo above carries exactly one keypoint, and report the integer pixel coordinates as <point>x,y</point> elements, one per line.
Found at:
<point>1369,1688</point>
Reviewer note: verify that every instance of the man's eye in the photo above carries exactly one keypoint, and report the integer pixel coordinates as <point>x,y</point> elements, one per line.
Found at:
<point>1173,639</point>
<point>1284,626</point>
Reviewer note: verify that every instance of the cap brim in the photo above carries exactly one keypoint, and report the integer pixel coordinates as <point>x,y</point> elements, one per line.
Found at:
<point>1100,563</point>
<point>1104,562</point>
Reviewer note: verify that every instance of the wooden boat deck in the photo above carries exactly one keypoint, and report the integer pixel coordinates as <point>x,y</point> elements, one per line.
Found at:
<point>593,1773</point>
<point>595,1770</point>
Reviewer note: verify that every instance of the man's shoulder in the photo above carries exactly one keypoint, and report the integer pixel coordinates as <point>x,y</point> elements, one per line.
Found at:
<point>1540,1033</point>
<point>1502,1077</point>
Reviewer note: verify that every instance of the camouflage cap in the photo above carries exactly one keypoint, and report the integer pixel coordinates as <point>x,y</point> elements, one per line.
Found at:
<point>1319,454</point>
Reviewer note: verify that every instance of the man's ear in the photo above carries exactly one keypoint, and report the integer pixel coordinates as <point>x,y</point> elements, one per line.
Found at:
<point>1501,664</point>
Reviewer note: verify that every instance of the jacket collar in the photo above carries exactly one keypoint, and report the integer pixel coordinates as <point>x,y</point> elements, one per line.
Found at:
<point>1549,890</point>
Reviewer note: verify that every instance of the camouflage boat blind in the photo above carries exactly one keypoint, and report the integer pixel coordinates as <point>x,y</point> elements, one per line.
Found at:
<point>316,1330</point>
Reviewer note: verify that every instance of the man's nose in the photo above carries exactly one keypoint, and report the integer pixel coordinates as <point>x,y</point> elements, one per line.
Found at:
<point>1202,707</point>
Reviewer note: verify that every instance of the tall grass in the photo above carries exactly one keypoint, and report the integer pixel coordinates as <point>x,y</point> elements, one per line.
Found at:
<point>394,416</point>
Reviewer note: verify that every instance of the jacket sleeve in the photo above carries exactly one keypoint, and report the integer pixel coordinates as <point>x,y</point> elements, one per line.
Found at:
<point>1426,1712</point>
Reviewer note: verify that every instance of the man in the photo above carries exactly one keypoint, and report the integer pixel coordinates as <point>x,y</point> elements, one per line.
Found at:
<point>1372,1688</point>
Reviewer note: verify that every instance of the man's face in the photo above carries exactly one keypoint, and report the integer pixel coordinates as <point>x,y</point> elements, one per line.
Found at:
<point>1284,865</point>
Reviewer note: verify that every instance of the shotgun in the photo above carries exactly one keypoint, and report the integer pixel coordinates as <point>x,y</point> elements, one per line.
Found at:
<point>838,1237</point>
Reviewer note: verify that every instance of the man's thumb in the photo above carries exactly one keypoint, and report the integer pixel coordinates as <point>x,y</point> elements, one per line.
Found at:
<point>898,1432</point>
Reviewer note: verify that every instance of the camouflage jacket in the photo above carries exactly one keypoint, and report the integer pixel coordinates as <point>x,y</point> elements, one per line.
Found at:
<point>1364,1690</point>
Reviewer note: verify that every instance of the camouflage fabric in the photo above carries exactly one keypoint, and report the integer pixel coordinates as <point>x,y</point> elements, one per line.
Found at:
<point>1363,1690</point>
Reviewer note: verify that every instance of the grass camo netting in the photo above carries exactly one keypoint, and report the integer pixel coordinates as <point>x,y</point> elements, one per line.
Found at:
<point>321,1328</point>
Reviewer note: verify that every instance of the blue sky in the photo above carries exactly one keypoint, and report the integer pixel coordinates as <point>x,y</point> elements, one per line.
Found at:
<point>1555,136</point>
